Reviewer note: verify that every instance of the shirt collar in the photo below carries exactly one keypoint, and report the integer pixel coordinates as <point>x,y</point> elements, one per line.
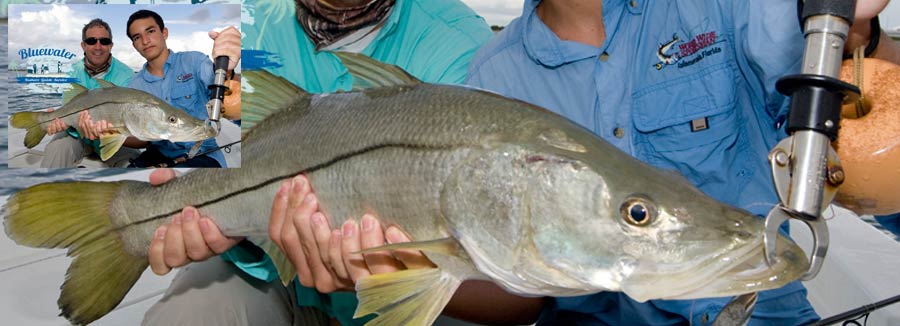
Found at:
<point>147,76</point>
<point>545,47</point>
<point>390,24</point>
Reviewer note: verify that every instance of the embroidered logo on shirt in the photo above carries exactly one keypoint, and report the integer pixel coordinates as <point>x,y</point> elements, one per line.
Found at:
<point>184,78</point>
<point>700,47</point>
<point>662,53</point>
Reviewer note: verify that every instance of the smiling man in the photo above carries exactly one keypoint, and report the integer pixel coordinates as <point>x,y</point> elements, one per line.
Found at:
<point>180,79</point>
<point>66,150</point>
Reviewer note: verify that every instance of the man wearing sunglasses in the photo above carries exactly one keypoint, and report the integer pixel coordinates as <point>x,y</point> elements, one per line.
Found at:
<point>67,149</point>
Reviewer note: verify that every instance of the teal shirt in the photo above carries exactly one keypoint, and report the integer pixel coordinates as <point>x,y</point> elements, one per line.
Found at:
<point>433,40</point>
<point>118,74</point>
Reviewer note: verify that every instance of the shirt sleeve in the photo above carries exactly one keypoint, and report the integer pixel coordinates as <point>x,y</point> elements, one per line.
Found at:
<point>769,37</point>
<point>252,260</point>
<point>443,54</point>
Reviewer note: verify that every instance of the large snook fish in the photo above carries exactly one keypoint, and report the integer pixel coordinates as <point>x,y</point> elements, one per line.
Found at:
<point>492,188</point>
<point>131,112</point>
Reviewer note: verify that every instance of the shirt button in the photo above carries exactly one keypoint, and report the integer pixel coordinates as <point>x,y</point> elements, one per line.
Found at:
<point>188,97</point>
<point>619,132</point>
<point>604,57</point>
<point>633,4</point>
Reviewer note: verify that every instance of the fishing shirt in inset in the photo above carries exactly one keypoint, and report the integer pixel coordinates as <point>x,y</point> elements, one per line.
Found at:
<point>183,85</point>
<point>685,85</point>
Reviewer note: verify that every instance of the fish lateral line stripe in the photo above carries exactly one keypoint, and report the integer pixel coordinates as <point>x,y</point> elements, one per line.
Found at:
<point>308,170</point>
<point>78,111</point>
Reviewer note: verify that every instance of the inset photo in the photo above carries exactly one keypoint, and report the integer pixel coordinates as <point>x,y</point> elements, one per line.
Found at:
<point>123,86</point>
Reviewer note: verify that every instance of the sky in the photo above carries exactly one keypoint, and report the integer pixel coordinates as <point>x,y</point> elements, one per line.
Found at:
<point>59,26</point>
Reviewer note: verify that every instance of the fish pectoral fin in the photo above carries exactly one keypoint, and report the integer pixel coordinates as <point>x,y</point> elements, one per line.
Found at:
<point>371,73</point>
<point>284,267</point>
<point>73,92</point>
<point>445,246</point>
<point>110,144</point>
<point>409,297</point>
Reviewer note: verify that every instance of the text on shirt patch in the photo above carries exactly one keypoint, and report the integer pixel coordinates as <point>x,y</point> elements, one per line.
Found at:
<point>699,46</point>
<point>184,78</point>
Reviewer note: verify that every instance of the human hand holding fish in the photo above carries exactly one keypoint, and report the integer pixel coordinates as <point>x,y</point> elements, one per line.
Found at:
<point>56,125</point>
<point>93,130</point>
<point>333,260</point>
<point>330,260</point>
<point>189,236</point>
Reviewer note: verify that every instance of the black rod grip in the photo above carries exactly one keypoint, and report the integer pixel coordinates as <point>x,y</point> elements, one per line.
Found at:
<point>221,63</point>
<point>845,9</point>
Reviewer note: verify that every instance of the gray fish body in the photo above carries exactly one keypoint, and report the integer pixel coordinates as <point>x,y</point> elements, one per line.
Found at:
<point>535,201</point>
<point>130,112</point>
<point>489,187</point>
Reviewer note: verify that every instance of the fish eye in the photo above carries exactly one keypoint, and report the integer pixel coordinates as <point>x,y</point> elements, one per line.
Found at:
<point>172,119</point>
<point>638,211</point>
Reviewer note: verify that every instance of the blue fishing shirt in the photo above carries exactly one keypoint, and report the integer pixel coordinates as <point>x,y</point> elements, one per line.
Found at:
<point>433,40</point>
<point>183,85</point>
<point>118,74</point>
<point>685,85</point>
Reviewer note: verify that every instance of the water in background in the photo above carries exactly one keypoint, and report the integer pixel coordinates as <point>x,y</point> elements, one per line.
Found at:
<point>12,180</point>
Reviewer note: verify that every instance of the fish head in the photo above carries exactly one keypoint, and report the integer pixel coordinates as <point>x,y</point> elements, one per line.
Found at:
<point>155,120</point>
<point>609,222</point>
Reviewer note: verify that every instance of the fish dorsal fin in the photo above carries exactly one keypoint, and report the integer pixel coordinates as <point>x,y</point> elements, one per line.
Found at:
<point>408,297</point>
<point>73,92</point>
<point>371,73</point>
<point>444,246</point>
<point>104,84</point>
<point>262,94</point>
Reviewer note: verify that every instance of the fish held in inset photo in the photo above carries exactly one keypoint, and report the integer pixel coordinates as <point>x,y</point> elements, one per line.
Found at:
<point>130,112</point>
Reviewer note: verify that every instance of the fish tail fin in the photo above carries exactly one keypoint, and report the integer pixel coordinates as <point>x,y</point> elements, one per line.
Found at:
<point>102,271</point>
<point>410,297</point>
<point>32,122</point>
<point>269,94</point>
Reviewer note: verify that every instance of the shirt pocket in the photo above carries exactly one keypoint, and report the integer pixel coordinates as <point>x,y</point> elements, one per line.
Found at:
<point>185,97</point>
<point>667,138</point>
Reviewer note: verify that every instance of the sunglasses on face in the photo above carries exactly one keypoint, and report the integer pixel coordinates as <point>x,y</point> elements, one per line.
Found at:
<point>93,40</point>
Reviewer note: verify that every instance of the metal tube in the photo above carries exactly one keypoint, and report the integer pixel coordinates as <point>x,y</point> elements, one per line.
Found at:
<point>825,36</point>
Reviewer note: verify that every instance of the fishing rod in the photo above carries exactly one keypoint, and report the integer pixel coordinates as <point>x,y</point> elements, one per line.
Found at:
<point>805,167</point>
<point>858,312</point>
<point>225,148</point>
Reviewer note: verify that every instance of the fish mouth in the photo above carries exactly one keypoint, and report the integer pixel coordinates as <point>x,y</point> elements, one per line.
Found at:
<point>749,273</point>
<point>197,133</point>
